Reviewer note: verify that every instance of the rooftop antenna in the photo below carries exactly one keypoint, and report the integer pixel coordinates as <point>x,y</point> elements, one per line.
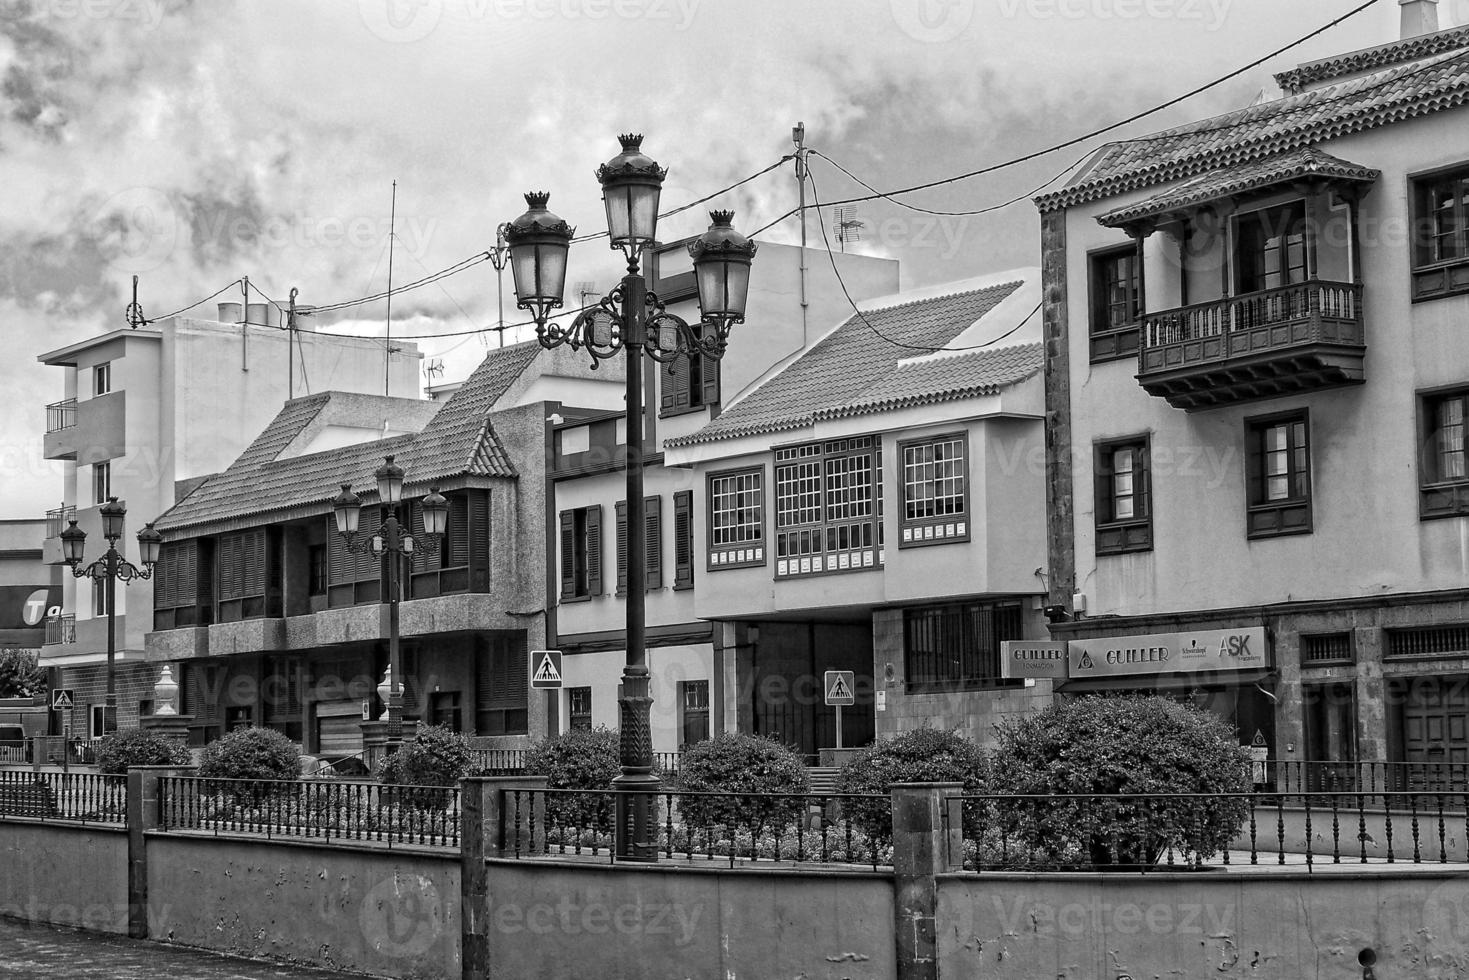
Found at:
<point>584,290</point>
<point>291,346</point>
<point>849,228</point>
<point>134,312</point>
<point>388,337</point>
<point>498,256</point>
<point>434,368</point>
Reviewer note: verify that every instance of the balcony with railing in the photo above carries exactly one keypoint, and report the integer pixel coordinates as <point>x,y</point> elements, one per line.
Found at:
<point>1301,337</point>
<point>61,415</point>
<point>61,629</point>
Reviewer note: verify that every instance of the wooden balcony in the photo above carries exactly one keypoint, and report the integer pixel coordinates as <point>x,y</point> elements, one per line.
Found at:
<point>1258,345</point>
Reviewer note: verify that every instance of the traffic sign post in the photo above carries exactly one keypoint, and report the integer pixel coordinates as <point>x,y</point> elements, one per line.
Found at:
<point>64,699</point>
<point>840,689</point>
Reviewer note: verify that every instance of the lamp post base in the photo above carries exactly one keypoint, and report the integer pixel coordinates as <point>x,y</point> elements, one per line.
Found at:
<point>636,832</point>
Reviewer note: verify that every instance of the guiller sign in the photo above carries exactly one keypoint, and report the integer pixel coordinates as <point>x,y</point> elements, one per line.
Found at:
<point>1149,653</point>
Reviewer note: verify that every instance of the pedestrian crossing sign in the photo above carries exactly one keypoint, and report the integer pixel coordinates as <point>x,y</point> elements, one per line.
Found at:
<point>545,668</point>
<point>840,686</point>
<point>63,699</point>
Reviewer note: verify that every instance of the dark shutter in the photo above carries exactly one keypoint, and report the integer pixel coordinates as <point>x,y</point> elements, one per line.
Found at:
<point>422,560</point>
<point>340,562</point>
<point>568,554</point>
<point>653,542</point>
<point>622,547</point>
<point>710,382</point>
<point>673,382</point>
<point>594,549</point>
<point>683,539</point>
<point>252,567</point>
<point>457,532</point>
<point>476,512</point>
<point>1254,465</point>
<point>1102,483</point>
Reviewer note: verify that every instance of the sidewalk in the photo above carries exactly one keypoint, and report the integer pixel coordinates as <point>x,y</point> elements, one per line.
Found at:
<point>36,952</point>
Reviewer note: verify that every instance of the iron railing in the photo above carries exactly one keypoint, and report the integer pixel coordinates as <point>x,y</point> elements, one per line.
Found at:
<point>62,629</point>
<point>1372,778</point>
<point>1168,831</point>
<point>511,762</point>
<point>745,828</point>
<point>61,415</point>
<point>85,796</point>
<point>57,519</point>
<point>323,809</point>
<point>1316,299</point>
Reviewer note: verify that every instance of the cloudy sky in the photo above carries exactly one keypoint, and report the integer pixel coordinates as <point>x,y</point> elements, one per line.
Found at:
<point>194,143</point>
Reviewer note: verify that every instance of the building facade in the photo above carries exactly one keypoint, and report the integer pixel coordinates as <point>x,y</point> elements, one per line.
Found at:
<point>146,413</point>
<point>1256,384</point>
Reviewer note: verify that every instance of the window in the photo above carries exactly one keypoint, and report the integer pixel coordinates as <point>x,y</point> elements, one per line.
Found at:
<point>579,708</point>
<point>683,539</point>
<point>957,647</point>
<point>1441,235</point>
<point>935,491</point>
<point>502,693</point>
<point>1271,248</point>
<point>689,383</point>
<point>693,699</point>
<point>1278,475</point>
<point>99,597</point>
<point>581,552</point>
<point>316,569</point>
<point>1116,302</point>
<point>1326,648</point>
<point>1443,470</point>
<point>1123,491</point>
<point>652,545</point>
<point>101,482</point>
<point>737,519</point>
<point>443,709</point>
<point>102,379</point>
<point>828,507</point>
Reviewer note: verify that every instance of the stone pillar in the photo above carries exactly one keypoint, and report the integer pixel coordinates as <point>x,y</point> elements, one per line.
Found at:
<point>143,814</point>
<point>488,828</point>
<point>173,726</point>
<point>375,741</point>
<point>925,844</point>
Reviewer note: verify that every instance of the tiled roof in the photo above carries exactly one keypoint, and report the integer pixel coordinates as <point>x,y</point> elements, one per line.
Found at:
<point>1393,95</point>
<point>1306,162</point>
<point>1368,59</point>
<point>459,441</point>
<point>852,372</point>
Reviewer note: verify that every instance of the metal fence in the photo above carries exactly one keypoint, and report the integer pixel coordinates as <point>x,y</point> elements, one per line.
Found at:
<point>511,762</point>
<point>1292,776</point>
<point>86,796</point>
<point>744,828</point>
<point>1194,830</point>
<point>320,809</point>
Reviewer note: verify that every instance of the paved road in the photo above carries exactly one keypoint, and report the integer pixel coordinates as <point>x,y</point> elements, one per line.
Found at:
<point>38,952</point>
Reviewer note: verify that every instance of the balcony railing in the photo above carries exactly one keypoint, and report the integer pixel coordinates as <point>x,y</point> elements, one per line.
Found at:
<point>56,520</point>
<point>62,629</point>
<point>1257,345</point>
<point>61,415</point>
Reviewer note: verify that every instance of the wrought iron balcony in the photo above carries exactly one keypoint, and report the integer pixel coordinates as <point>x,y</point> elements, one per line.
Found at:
<point>1257,345</point>
<point>62,629</point>
<point>61,415</point>
<point>56,520</point>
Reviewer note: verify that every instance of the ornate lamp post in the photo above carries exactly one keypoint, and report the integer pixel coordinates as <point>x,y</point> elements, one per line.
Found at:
<point>109,568</point>
<point>389,541</point>
<point>631,319</point>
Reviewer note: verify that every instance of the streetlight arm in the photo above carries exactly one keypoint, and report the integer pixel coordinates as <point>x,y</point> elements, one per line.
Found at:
<point>111,564</point>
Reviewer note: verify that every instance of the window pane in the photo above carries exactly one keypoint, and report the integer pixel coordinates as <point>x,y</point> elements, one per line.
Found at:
<point>1450,439</point>
<point>1122,484</point>
<point>1277,463</point>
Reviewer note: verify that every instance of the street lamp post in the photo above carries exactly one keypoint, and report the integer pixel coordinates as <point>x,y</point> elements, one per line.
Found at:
<point>109,568</point>
<point>631,319</point>
<point>390,542</point>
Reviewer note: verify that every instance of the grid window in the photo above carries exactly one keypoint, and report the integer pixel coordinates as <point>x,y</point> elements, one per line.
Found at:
<point>957,647</point>
<point>828,507</point>
<point>1444,466</point>
<point>1441,235</point>
<point>1272,248</point>
<point>1279,476</point>
<point>736,519</point>
<point>935,491</point>
<point>579,708</point>
<point>1116,303</point>
<point>1124,519</point>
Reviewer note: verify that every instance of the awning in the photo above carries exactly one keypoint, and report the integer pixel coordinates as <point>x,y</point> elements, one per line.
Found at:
<point>1283,168</point>
<point>1178,681</point>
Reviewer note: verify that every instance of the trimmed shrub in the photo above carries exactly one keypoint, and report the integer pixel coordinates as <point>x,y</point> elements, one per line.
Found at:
<point>925,755</point>
<point>139,747</point>
<point>251,753</point>
<point>435,757</point>
<point>580,759</point>
<point>1124,745</point>
<point>733,762</point>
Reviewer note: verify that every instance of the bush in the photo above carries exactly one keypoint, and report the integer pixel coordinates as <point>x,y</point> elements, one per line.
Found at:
<point>732,762</point>
<point>139,747</point>
<point>437,756</point>
<point>1125,745</point>
<point>925,755</point>
<point>251,753</point>
<point>580,759</point>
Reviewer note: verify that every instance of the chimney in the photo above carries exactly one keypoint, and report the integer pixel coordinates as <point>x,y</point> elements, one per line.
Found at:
<point>1419,17</point>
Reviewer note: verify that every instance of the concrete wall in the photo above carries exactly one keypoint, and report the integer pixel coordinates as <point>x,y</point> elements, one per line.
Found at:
<point>1266,926</point>
<point>688,922</point>
<point>368,910</point>
<point>65,876</point>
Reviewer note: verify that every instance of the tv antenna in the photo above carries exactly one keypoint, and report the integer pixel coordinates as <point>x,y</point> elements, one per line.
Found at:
<point>849,227</point>
<point>498,256</point>
<point>583,291</point>
<point>434,368</point>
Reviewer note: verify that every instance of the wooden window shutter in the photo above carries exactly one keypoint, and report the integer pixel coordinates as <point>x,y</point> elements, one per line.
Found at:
<point>229,566</point>
<point>594,549</point>
<point>338,560</point>
<point>568,554</point>
<point>252,549</point>
<point>1254,465</point>
<point>683,539</point>
<point>421,560</point>
<point>186,576</point>
<point>1142,480</point>
<point>673,382</point>
<point>622,547</point>
<point>653,543</point>
<point>1102,483</point>
<point>476,512</point>
<point>457,531</point>
<point>709,379</point>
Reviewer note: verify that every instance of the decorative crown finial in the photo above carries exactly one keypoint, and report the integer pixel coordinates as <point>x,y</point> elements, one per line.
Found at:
<point>537,199</point>
<point>721,218</point>
<point>631,141</point>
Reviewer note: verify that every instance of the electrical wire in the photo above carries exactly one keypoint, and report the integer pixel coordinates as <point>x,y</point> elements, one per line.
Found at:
<point>185,309</point>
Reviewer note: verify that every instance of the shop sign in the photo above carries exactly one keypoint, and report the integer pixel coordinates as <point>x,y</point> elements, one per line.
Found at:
<point>1032,658</point>
<point>1199,651</point>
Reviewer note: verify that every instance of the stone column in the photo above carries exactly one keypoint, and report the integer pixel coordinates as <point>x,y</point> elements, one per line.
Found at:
<point>488,827</point>
<point>924,844</point>
<point>143,814</point>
